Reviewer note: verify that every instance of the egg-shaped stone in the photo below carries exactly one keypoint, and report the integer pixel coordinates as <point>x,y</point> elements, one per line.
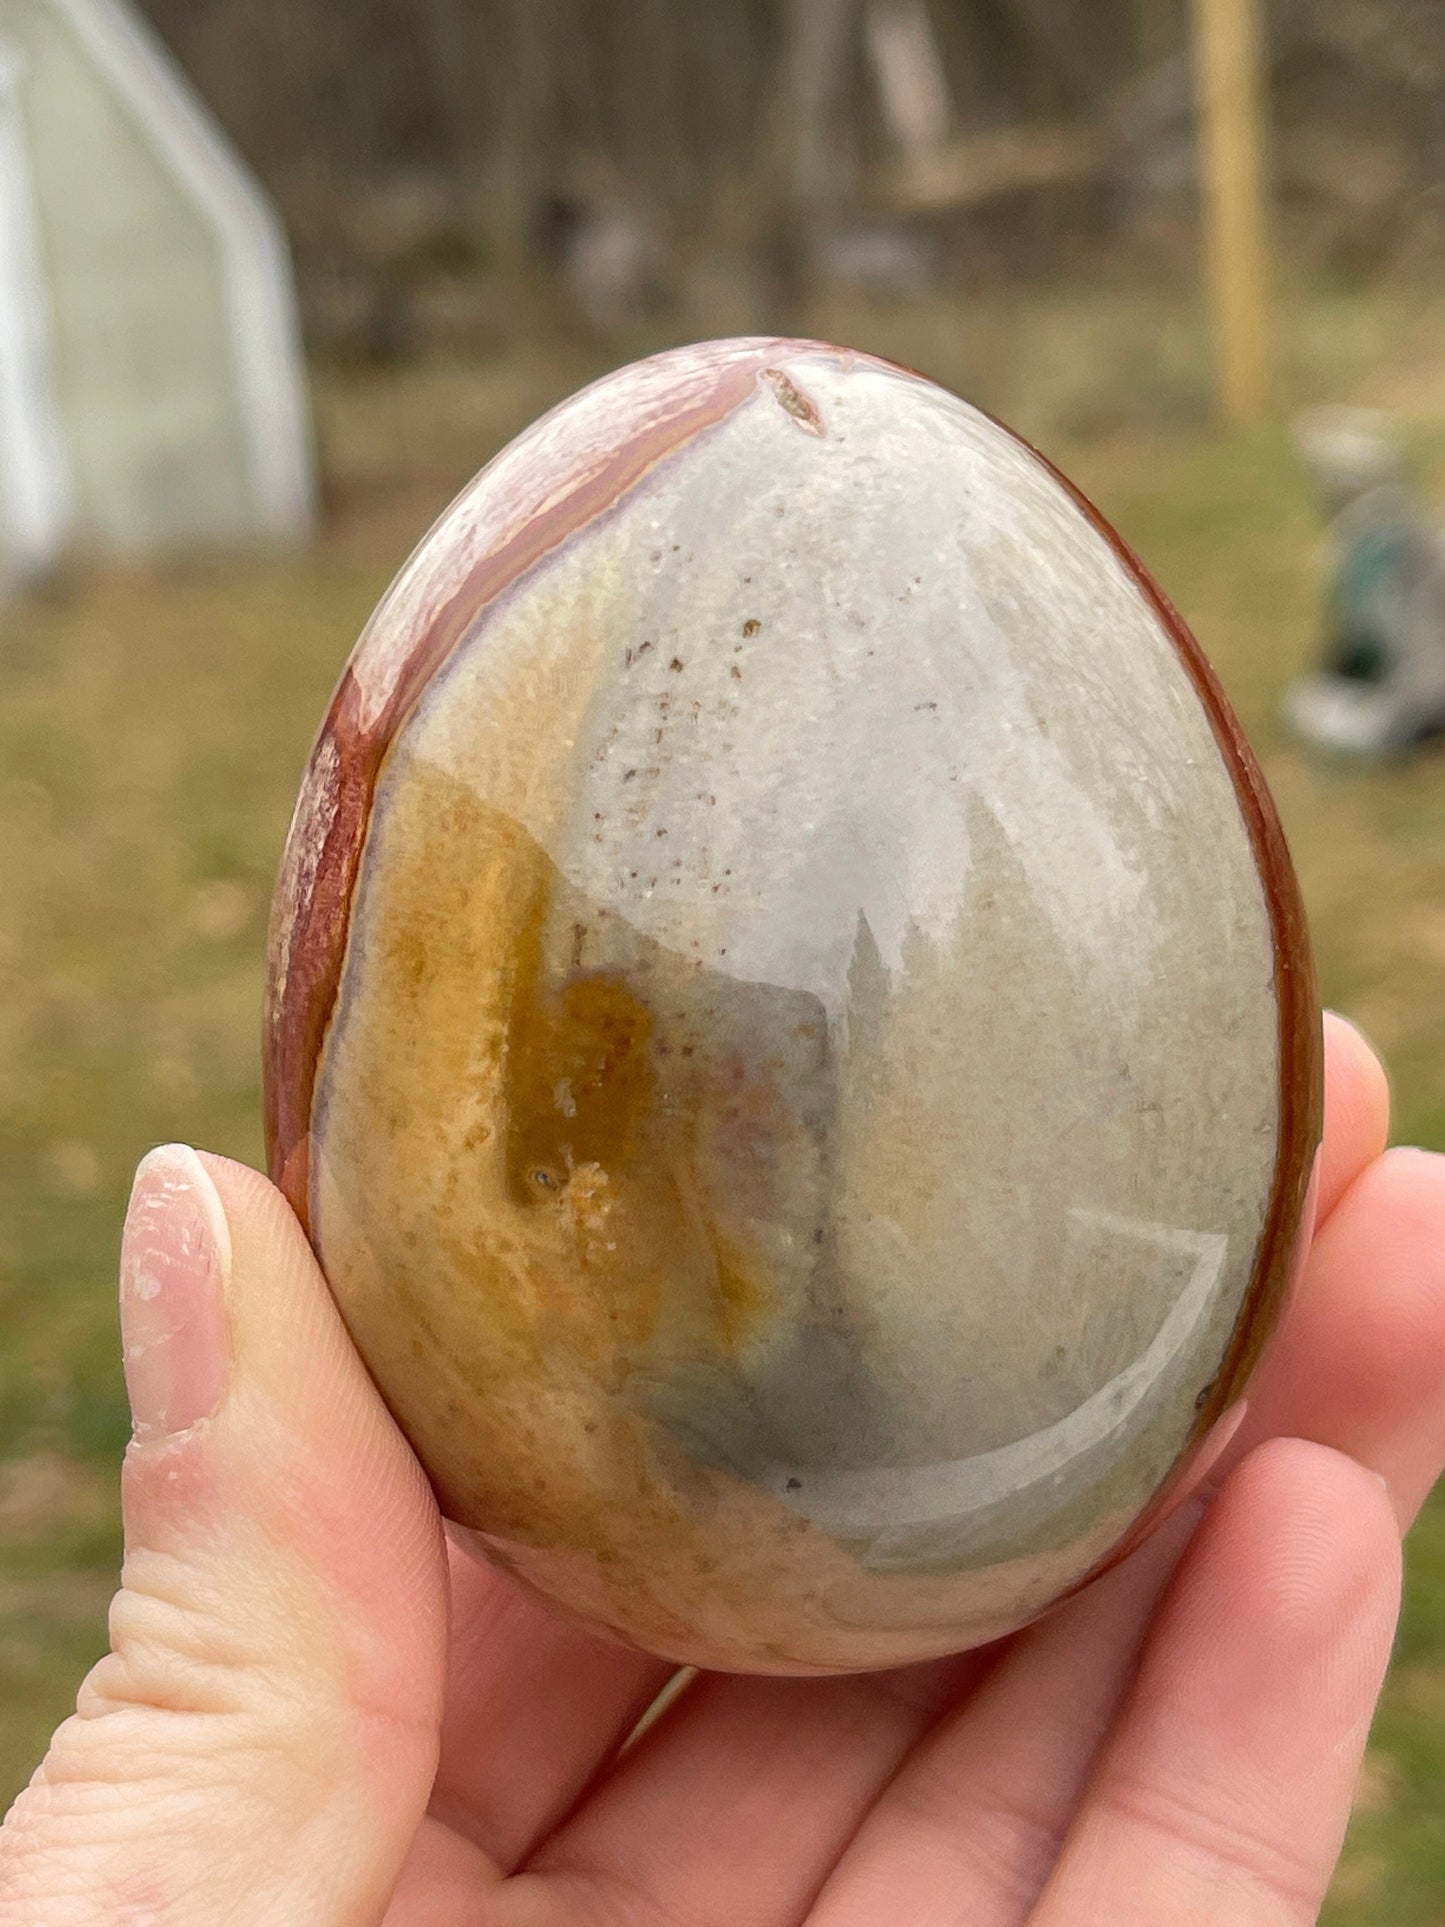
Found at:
<point>790,1025</point>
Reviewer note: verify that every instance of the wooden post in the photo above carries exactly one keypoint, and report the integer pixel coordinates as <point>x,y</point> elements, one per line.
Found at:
<point>1231,115</point>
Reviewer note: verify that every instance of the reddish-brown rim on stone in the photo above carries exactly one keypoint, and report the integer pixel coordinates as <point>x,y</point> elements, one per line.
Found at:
<point>1301,1048</point>
<point>1301,1058</point>
<point>350,749</point>
<point>299,1011</point>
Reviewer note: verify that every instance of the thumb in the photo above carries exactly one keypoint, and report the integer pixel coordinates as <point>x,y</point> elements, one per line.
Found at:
<point>259,1744</point>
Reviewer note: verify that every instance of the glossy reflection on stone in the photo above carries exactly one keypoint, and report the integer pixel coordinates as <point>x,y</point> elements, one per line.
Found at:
<point>790,1023</point>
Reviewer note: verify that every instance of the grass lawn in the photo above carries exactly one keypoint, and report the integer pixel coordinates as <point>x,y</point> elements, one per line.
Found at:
<point>152,729</point>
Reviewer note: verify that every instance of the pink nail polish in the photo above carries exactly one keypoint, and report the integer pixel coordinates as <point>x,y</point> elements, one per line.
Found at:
<point>175,1257</point>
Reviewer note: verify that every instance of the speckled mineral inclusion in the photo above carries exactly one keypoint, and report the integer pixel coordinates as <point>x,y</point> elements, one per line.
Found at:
<point>801,1109</point>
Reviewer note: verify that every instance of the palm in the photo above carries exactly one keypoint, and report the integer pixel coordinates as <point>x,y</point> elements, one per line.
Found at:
<point>1178,1742</point>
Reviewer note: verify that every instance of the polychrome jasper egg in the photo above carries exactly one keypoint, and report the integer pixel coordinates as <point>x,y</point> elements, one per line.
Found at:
<point>790,1027</point>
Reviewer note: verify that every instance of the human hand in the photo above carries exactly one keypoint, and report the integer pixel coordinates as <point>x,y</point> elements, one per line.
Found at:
<point>318,1714</point>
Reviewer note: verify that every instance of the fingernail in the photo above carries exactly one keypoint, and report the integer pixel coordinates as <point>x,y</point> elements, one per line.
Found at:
<point>175,1257</point>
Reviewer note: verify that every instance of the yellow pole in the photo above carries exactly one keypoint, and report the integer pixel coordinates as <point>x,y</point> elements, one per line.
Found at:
<point>1231,128</point>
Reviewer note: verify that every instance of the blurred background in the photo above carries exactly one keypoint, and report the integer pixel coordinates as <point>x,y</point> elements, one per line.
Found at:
<point>276,277</point>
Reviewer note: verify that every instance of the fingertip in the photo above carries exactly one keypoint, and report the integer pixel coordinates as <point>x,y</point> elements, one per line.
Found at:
<point>1358,1365</point>
<point>306,1443</point>
<point>248,1196</point>
<point>1226,1786</point>
<point>1420,1171</point>
<point>1302,1545</point>
<point>1357,1109</point>
<point>334,1476</point>
<point>1377,1276</point>
<point>1302,1485</point>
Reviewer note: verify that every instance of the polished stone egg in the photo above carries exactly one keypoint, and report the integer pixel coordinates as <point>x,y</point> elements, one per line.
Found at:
<point>790,1028</point>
